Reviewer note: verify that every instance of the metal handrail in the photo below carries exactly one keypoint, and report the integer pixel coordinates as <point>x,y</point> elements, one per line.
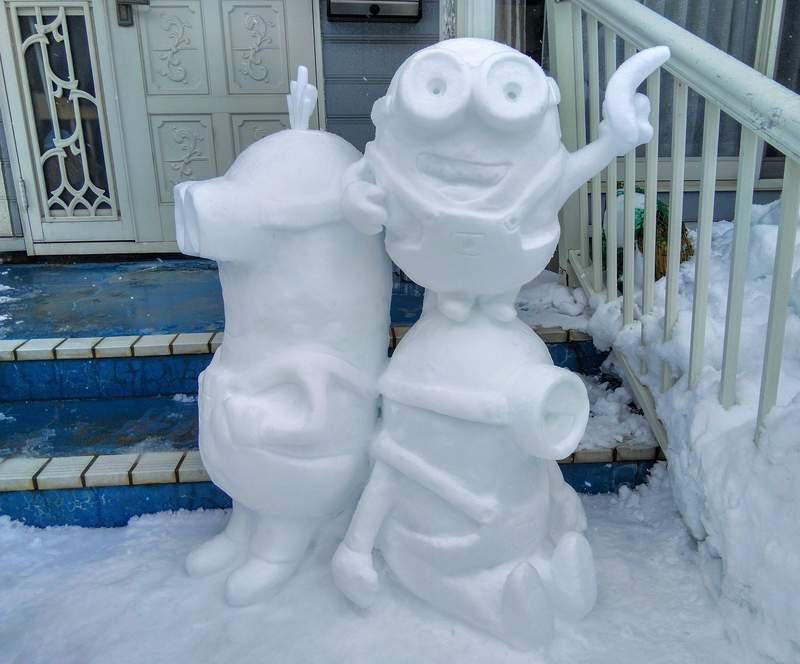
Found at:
<point>765,110</point>
<point>769,109</point>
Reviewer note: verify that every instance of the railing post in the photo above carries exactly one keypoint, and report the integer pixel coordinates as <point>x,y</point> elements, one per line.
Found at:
<point>702,250</point>
<point>679,109</point>
<point>781,287</point>
<point>748,166</point>
<point>561,30</point>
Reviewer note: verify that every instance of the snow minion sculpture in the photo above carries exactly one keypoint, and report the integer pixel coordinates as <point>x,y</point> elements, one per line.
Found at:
<point>289,403</point>
<point>465,501</point>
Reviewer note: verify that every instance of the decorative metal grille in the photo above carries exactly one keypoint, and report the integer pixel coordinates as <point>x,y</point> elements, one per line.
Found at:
<point>56,51</point>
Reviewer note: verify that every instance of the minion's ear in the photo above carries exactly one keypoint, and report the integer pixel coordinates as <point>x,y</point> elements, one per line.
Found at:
<point>555,93</point>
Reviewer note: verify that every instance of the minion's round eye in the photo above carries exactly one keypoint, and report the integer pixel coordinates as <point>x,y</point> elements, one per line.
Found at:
<point>434,87</point>
<point>512,90</point>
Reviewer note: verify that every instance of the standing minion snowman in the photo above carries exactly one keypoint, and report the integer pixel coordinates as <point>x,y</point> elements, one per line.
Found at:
<point>465,500</point>
<point>288,405</point>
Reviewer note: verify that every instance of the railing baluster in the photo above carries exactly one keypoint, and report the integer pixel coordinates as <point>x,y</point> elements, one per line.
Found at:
<point>679,106</point>
<point>610,44</point>
<point>580,104</point>
<point>650,207</point>
<point>594,123</point>
<point>651,196</point>
<point>781,286</point>
<point>748,163</point>
<point>628,250</point>
<point>702,252</point>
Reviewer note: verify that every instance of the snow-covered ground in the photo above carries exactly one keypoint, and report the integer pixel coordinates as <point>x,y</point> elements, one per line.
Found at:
<point>612,421</point>
<point>103,596</point>
<point>544,302</point>
<point>741,501</point>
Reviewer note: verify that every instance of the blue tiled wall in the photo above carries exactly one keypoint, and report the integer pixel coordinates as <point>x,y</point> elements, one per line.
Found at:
<point>114,506</point>
<point>107,378</point>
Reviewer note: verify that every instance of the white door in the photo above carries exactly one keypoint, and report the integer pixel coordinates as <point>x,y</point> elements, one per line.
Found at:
<point>108,114</point>
<point>200,80</point>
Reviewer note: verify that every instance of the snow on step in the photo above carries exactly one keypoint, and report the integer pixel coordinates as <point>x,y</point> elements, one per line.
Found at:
<point>156,468</point>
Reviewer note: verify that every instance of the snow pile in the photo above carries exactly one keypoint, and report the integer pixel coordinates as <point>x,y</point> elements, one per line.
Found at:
<point>612,422</point>
<point>739,501</point>
<point>544,302</point>
<point>78,596</point>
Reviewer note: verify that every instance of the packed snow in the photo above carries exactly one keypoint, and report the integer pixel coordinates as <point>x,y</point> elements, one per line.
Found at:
<point>545,302</point>
<point>613,419</point>
<point>740,500</point>
<point>77,596</point>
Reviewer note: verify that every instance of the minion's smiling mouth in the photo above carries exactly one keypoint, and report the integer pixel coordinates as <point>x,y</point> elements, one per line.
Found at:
<point>459,171</point>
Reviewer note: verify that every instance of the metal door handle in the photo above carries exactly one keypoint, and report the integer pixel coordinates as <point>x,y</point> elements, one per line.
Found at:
<point>125,11</point>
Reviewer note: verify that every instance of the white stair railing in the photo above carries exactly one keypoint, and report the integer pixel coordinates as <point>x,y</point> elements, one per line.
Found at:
<point>765,110</point>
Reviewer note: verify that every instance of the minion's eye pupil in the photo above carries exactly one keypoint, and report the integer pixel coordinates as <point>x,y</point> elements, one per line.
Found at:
<point>437,87</point>
<point>512,91</point>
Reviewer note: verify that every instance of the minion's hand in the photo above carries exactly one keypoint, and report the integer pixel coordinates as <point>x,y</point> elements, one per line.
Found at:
<point>363,201</point>
<point>626,113</point>
<point>626,122</point>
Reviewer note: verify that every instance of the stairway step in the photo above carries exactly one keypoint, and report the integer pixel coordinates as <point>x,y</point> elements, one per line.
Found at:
<point>97,426</point>
<point>161,364</point>
<point>49,300</point>
<point>107,490</point>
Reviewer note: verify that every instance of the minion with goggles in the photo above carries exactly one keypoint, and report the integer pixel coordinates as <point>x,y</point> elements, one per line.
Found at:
<point>467,171</point>
<point>465,500</point>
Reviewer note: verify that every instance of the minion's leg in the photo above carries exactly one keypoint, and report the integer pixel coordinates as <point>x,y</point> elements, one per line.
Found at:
<point>353,570</point>
<point>221,550</point>
<point>277,547</point>
<point>500,307</point>
<point>456,306</point>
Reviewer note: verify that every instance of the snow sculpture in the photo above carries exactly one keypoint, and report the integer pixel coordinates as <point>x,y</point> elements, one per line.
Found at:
<point>289,403</point>
<point>465,500</point>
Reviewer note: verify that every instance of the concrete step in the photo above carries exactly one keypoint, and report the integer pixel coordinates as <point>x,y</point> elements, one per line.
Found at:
<point>107,490</point>
<point>169,363</point>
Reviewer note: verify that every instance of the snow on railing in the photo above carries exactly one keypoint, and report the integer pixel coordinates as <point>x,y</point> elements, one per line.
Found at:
<point>765,110</point>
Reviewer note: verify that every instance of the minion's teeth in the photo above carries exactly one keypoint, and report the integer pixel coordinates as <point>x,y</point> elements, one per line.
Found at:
<point>459,170</point>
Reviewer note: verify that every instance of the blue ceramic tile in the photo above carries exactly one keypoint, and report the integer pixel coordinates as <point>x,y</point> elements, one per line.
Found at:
<point>589,358</point>
<point>564,355</point>
<point>106,378</point>
<point>107,507</point>
<point>605,477</point>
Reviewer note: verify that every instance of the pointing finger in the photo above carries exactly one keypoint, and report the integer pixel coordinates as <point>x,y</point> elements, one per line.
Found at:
<point>632,73</point>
